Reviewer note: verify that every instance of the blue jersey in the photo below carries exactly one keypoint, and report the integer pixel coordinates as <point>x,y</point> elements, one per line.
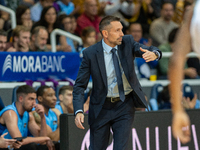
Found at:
<point>22,122</point>
<point>59,108</point>
<point>52,120</point>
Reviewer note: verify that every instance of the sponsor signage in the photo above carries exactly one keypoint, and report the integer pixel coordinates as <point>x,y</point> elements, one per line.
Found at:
<point>20,66</point>
<point>151,131</point>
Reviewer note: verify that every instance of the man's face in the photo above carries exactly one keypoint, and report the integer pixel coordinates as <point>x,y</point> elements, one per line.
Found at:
<point>41,39</point>
<point>46,3</point>
<point>28,101</point>
<point>113,34</point>
<point>24,39</point>
<point>67,98</point>
<point>136,31</point>
<point>3,41</point>
<point>66,1</point>
<point>67,23</point>
<point>49,98</point>
<point>167,11</point>
<point>91,7</point>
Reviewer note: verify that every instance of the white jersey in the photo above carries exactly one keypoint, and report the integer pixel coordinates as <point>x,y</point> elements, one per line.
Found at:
<point>195,28</point>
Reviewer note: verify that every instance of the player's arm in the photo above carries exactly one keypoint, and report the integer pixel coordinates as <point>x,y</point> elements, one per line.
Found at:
<point>39,129</point>
<point>55,136</point>
<point>177,62</point>
<point>11,121</point>
<point>181,48</point>
<point>33,127</point>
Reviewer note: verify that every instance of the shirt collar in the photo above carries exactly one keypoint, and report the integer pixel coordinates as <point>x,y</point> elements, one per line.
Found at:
<point>106,47</point>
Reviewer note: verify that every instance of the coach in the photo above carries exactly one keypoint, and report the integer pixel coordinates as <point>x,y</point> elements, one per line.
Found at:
<point>116,90</point>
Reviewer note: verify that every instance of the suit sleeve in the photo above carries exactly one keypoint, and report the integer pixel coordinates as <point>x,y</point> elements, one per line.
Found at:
<point>81,83</point>
<point>136,48</point>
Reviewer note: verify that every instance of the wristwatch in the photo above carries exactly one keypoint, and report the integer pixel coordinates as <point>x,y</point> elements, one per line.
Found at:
<point>156,53</point>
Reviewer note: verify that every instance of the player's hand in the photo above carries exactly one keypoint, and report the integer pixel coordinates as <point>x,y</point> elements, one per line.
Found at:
<point>180,126</point>
<point>148,55</point>
<point>79,119</point>
<point>5,143</point>
<point>17,145</point>
<point>50,145</point>
<point>39,109</point>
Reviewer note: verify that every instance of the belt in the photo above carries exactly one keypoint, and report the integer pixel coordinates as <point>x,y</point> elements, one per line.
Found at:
<point>116,99</point>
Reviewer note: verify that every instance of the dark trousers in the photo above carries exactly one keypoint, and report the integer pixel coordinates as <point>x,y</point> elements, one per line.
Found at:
<point>117,116</point>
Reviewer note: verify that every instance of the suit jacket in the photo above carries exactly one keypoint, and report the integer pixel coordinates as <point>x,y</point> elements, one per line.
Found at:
<point>93,64</point>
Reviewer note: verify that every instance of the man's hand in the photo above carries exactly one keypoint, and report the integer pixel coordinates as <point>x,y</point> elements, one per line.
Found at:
<point>11,49</point>
<point>180,126</point>
<point>40,110</point>
<point>4,143</point>
<point>191,72</point>
<point>17,145</point>
<point>79,119</point>
<point>189,104</point>
<point>148,55</point>
<point>50,144</point>
<point>24,46</point>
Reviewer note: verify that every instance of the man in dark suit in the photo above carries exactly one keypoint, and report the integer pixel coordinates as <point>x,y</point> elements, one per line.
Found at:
<point>116,90</point>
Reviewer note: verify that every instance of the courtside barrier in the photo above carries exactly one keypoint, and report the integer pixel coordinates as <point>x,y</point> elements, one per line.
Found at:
<point>151,131</point>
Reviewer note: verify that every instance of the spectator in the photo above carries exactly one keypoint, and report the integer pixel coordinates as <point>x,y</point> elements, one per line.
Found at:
<point>186,101</point>
<point>17,120</point>
<point>36,9</point>
<point>39,38</point>
<point>143,13</point>
<point>165,98</point>
<point>181,7</point>
<point>28,3</point>
<point>157,4</point>
<point>23,16</point>
<point>164,62</point>
<point>135,29</point>
<point>79,5</point>
<point>5,22</point>
<point>67,7</point>
<point>66,105</point>
<point>89,18</point>
<point>21,40</point>
<point>66,22</point>
<point>74,24</point>
<point>118,8</point>
<point>88,36</point>
<point>49,20</point>
<point>3,40</point>
<point>161,27</point>
<point>46,97</point>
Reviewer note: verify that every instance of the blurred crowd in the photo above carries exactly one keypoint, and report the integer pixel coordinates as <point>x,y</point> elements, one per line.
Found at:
<point>150,22</point>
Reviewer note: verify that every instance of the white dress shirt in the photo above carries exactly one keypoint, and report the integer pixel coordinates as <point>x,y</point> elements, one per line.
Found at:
<point>110,72</point>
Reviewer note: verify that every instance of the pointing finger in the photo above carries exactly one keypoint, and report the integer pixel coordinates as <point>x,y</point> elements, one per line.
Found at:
<point>4,134</point>
<point>143,50</point>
